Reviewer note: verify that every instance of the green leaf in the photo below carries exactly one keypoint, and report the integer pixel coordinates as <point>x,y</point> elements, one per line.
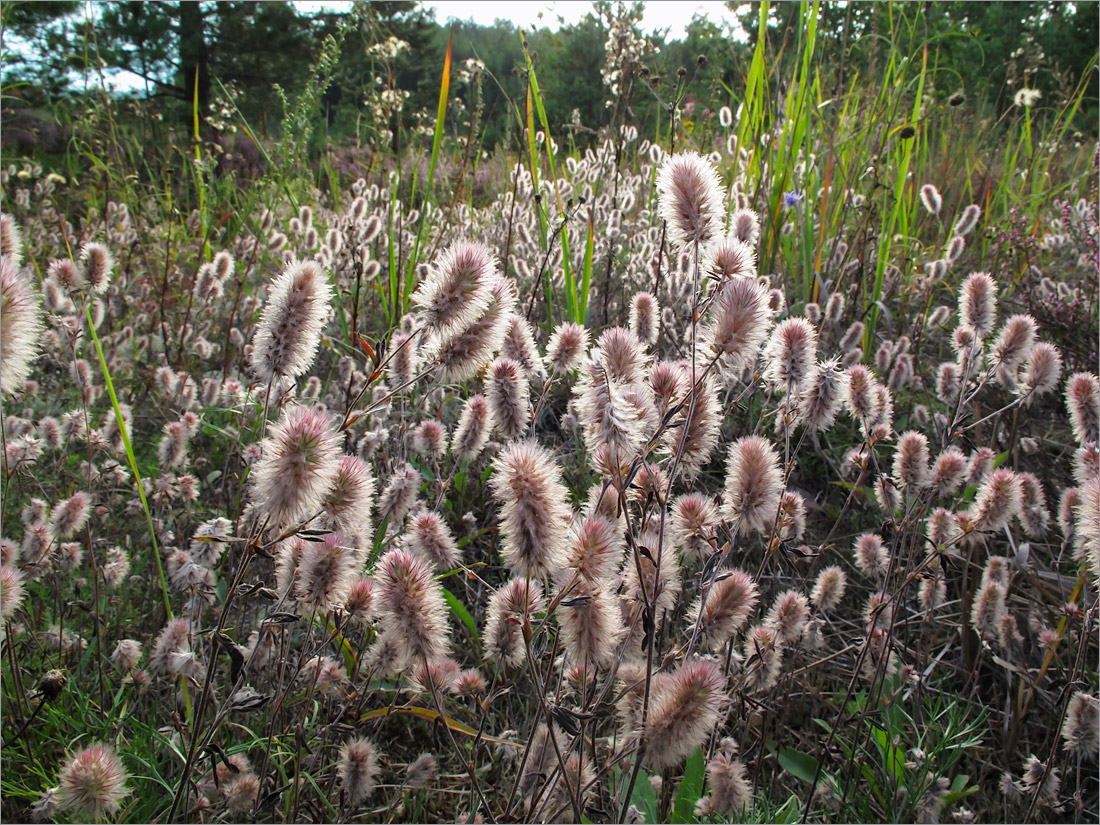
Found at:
<point>691,788</point>
<point>462,614</point>
<point>644,799</point>
<point>798,764</point>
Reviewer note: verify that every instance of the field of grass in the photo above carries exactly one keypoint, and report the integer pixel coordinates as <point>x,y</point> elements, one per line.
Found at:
<point>741,471</point>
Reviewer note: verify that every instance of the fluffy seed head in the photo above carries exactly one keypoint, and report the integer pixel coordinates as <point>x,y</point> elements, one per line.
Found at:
<point>567,347</point>
<point>430,438</point>
<point>968,220</point>
<point>11,239</point>
<point>300,463</point>
<point>788,616</point>
<point>690,198</point>
<point>745,226</point>
<point>509,606</point>
<point>429,536</point>
<point>871,556</point>
<point>595,550</point>
<point>533,511</point>
<point>349,501</point>
<point>978,303</point>
<point>20,326</point>
<point>753,485</point>
<point>326,571</point>
<point>1083,403</point>
<point>829,588</point>
<point>911,461</point>
<point>791,354</point>
<point>411,608</point>
<point>590,619</point>
<point>474,427</point>
<point>458,356</point>
<point>97,263</point>
<point>1081,730</point>
<point>509,397</point>
<point>1043,369</point>
<point>288,334</point>
<point>399,494</point>
<point>12,591</point>
<point>645,317</point>
<point>93,783</point>
<point>821,402</point>
<point>949,471</point>
<point>458,287</point>
<point>728,605</point>
<point>1014,342</point>
<point>727,258</point>
<point>999,498</point>
<point>357,769</point>
<point>684,708</point>
<point>930,197</point>
<point>70,515</point>
<point>740,319</point>
<point>694,516</point>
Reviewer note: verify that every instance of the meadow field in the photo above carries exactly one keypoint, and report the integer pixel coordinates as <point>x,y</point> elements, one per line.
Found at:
<point>729,457</point>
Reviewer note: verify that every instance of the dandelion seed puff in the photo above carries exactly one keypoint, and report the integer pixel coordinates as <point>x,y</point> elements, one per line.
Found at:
<point>299,467</point>
<point>968,220</point>
<point>753,484</point>
<point>911,461</point>
<point>745,226</point>
<point>1014,343</point>
<point>949,471</point>
<point>97,263</point>
<point>399,494</point>
<point>690,198</point>
<point>930,197</point>
<point>567,347</point>
<point>410,606</point>
<point>20,326</point>
<point>740,320</point>
<point>509,398</point>
<point>645,317</point>
<point>473,429</point>
<point>978,303</point>
<point>509,607</point>
<point>357,769</point>
<point>1081,730</point>
<point>829,588</point>
<point>999,499</point>
<point>294,315</point>
<point>726,258</point>
<point>12,591</point>
<point>594,552</point>
<point>683,709</point>
<point>820,403</point>
<point>871,555</point>
<point>1083,403</point>
<point>458,287</point>
<point>93,783</point>
<point>11,239</point>
<point>728,605</point>
<point>1043,369</point>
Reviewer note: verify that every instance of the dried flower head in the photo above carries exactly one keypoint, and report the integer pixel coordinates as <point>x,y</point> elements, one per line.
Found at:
<point>978,303</point>
<point>93,783</point>
<point>358,769</point>
<point>791,354</point>
<point>20,326</point>
<point>684,707</point>
<point>1081,730</point>
<point>509,397</point>
<point>289,331</point>
<point>428,535</point>
<point>871,555</point>
<point>690,198</point>
<point>645,317</point>
<point>754,482</point>
<point>458,288</point>
<point>97,263</point>
<point>567,347</point>
<point>399,494</point>
<point>726,607</point>
<point>911,461</point>
<point>509,607</point>
<point>534,516</point>
<point>411,609</point>
<point>829,588</point>
<point>740,319</point>
<point>1083,403</point>
<point>326,571</point>
<point>473,429</point>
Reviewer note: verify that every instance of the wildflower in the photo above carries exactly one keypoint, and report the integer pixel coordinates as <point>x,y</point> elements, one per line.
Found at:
<point>989,609</point>
<point>725,117</point>
<point>567,347</point>
<point>829,588</point>
<point>1083,403</point>
<point>1043,370</point>
<point>473,429</point>
<point>690,198</point>
<point>763,657</point>
<point>792,199</point>
<point>978,303</point>
<point>791,354</point>
<point>11,240</point>
<point>357,769</point>
<point>745,226</point>
<point>1081,730</point>
<point>1026,97</point>
<point>93,783</point>
<point>931,198</point>
<point>399,494</point>
<point>911,461</point>
<point>980,464</point>
<point>429,536</point>
<point>12,591</point>
<point>788,616</point>
<point>999,498</point>
<point>127,654</point>
<point>693,519</point>
<point>509,398</point>
<point>527,485</point>
<point>422,771</point>
<point>1014,343</point>
<point>871,555</point>
<point>519,345</point>
<point>411,609</point>
<point>1087,525</point>
<point>728,257</point>
<point>510,606</point>
<point>430,438</point>
<point>289,331</point>
<point>326,570</point>
<point>730,787</point>
<point>949,471</point>
<point>97,263</point>
<point>820,403</point>
<point>684,707</point>
<point>20,326</point>
<point>752,488</point>
<point>645,317</point>
<point>458,288</point>
<point>967,221</point>
<point>739,320</point>
<point>696,437</point>
<point>70,515</point>
<point>460,355</point>
<point>348,502</point>
<point>299,466</point>
<point>590,621</point>
<point>594,552</point>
